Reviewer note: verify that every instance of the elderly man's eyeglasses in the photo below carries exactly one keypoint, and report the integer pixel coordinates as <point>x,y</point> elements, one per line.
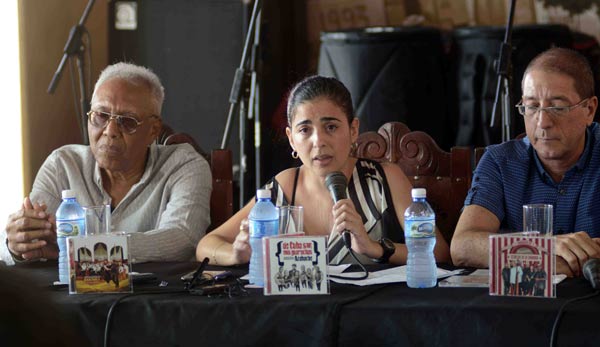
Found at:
<point>128,124</point>
<point>557,111</point>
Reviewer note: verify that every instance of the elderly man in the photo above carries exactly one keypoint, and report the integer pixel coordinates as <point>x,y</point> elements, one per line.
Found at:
<point>158,194</point>
<point>557,163</point>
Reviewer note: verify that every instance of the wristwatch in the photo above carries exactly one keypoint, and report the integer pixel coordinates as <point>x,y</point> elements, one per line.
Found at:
<point>388,249</point>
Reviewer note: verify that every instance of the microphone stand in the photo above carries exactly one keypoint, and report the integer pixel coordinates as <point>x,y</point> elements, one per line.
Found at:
<point>254,104</point>
<point>504,71</point>
<point>252,107</point>
<point>76,47</point>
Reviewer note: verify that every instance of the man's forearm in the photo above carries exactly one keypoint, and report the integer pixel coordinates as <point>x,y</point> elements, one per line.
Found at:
<point>162,245</point>
<point>471,248</point>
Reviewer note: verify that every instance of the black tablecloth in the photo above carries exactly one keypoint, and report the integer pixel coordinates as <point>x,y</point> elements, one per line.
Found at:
<point>390,314</point>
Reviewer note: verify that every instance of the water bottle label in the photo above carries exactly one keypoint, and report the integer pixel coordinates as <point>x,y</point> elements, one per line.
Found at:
<point>68,228</point>
<point>419,228</point>
<point>260,228</point>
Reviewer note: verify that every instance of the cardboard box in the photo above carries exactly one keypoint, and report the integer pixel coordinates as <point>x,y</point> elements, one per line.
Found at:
<point>495,12</point>
<point>587,21</point>
<point>332,15</point>
<point>445,13</point>
<point>329,15</point>
<point>396,11</point>
<point>524,12</point>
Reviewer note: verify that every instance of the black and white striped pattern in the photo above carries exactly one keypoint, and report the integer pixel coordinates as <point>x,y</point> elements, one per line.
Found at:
<point>369,191</point>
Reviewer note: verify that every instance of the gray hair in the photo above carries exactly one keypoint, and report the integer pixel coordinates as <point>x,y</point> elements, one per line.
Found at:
<point>135,75</point>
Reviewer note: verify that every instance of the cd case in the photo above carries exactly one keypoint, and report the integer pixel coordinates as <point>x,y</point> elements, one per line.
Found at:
<point>295,265</point>
<point>522,264</point>
<point>99,264</point>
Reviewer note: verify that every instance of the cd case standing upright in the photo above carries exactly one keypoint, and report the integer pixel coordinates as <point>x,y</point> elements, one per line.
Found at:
<point>295,265</point>
<point>99,264</point>
<point>522,264</point>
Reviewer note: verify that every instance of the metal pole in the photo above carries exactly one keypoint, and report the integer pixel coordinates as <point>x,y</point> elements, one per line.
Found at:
<point>83,100</point>
<point>238,78</point>
<point>504,70</point>
<point>242,153</point>
<point>254,102</point>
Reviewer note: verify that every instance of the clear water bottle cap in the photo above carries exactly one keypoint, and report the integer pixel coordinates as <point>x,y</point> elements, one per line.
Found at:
<point>418,193</point>
<point>68,194</point>
<point>263,194</point>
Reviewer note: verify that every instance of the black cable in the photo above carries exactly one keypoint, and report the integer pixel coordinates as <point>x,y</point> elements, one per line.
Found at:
<point>337,309</point>
<point>116,302</point>
<point>359,264</point>
<point>560,312</point>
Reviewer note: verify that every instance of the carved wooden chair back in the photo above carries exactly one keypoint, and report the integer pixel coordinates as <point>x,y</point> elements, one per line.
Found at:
<point>445,175</point>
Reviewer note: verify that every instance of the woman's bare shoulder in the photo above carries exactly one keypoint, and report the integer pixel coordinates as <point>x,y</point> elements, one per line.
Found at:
<point>392,169</point>
<point>286,177</point>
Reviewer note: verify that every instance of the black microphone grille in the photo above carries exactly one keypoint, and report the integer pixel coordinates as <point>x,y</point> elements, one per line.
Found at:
<point>591,272</point>
<point>335,178</point>
<point>336,183</point>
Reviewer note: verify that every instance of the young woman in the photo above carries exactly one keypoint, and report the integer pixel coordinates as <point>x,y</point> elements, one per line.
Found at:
<point>322,131</point>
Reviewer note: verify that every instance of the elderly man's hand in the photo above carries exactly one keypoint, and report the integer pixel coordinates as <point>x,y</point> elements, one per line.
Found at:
<point>31,232</point>
<point>576,249</point>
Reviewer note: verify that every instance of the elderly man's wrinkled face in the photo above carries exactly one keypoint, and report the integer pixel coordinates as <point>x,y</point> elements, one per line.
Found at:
<point>115,148</point>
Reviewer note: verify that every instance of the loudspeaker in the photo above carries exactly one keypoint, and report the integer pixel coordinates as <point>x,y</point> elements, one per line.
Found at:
<point>194,46</point>
<point>393,74</point>
<point>474,52</point>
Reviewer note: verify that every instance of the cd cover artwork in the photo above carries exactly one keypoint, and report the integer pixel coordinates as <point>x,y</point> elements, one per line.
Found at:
<point>295,265</point>
<point>99,264</point>
<point>522,264</point>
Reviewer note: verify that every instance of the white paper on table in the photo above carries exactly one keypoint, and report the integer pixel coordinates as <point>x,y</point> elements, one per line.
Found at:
<point>337,269</point>
<point>486,272</point>
<point>558,278</point>
<point>393,275</point>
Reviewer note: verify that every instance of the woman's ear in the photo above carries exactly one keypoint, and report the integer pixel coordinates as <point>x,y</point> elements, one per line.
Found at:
<point>354,129</point>
<point>288,133</point>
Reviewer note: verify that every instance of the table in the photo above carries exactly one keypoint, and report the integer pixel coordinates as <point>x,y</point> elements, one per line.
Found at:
<point>391,314</point>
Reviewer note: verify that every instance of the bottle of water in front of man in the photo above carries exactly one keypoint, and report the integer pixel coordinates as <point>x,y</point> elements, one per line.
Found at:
<point>70,221</point>
<point>263,221</point>
<point>419,234</point>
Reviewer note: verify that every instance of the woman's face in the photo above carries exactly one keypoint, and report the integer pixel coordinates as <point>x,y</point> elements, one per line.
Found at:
<point>321,135</point>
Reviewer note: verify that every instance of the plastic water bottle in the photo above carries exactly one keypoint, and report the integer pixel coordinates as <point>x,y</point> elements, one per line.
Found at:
<point>70,221</point>
<point>263,221</point>
<point>419,232</point>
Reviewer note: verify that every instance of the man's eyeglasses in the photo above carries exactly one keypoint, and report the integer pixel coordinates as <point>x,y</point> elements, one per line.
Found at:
<point>557,111</point>
<point>128,124</point>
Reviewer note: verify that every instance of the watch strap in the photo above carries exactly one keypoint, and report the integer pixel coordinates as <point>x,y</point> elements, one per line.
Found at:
<point>388,251</point>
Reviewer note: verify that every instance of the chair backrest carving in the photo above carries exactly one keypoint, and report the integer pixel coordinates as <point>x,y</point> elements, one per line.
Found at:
<point>220,160</point>
<point>445,175</point>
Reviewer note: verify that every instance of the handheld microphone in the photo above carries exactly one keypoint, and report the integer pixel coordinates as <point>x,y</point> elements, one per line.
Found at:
<point>336,183</point>
<point>591,272</point>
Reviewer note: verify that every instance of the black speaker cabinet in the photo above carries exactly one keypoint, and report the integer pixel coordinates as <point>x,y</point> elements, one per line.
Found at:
<point>194,46</point>
<point>393,74</point>
<point>475,49</point>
